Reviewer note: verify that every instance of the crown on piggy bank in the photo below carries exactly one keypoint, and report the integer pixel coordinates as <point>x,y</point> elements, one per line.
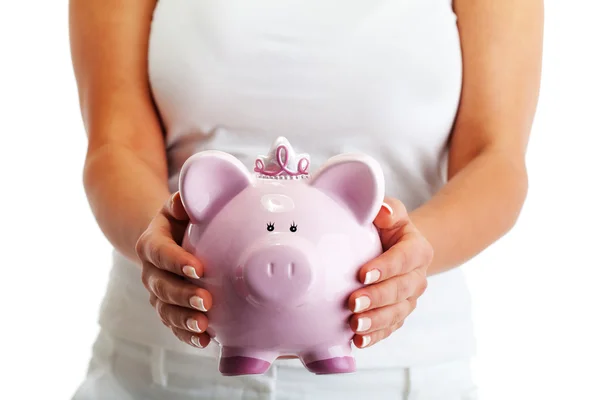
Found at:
<point>282,162</point>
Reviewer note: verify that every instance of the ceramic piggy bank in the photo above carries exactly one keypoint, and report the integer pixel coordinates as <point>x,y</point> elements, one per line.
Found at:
<point>281,251</point>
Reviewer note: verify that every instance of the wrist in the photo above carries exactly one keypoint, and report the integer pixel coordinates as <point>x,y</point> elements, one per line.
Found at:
<point>124,195</point>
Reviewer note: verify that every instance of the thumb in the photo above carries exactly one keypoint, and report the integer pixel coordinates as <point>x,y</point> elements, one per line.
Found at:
<point>391,222</point>
<point>392,215</point>
<point>174,208</point>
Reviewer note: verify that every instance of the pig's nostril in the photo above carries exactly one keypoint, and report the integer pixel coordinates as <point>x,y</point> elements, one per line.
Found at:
<point>291,269</point>
<point>270,269</point>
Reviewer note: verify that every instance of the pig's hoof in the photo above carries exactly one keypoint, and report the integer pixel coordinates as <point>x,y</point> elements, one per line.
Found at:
<point>337,365</point>
<point>238,365</point>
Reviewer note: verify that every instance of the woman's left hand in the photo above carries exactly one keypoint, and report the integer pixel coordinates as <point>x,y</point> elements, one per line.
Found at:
<point>395,279</point>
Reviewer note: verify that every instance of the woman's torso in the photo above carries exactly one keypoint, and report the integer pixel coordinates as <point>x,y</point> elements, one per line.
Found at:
<point>381,77</point>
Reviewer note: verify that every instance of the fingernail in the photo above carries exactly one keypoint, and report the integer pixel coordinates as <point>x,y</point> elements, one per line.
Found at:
<point>364,324</point>
<point>365,341</point>
<point>192,325</point>
<point>372,276</point>
<point>388,208</point>
<point>197,303</point>
<point>196,341</point>
<point>362,303</point>
<point>190,272</point>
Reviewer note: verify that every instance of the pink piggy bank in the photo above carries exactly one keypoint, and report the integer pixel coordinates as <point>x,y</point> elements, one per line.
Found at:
<point>281,252</point>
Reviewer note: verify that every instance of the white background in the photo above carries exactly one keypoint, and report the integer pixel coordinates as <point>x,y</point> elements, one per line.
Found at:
<point>536,292</point>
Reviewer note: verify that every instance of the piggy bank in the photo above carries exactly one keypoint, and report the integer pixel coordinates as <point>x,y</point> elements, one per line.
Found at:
<point>281,249</point>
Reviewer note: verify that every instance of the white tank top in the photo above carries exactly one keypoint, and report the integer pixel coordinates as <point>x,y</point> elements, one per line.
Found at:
<point>380,76</point>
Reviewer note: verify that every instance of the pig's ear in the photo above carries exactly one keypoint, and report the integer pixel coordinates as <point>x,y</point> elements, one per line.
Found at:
<point>354,180</point>
<point>209,180</point>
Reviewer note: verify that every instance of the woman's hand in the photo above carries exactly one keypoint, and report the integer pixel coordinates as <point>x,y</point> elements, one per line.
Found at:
<point>179,303</point>
<point>395,280</point>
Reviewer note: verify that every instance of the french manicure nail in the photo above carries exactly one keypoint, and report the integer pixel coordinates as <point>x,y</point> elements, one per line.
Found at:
<point>372,276</point>
<point>196,341</point>
<point>190,272</point>
<point>362,303</point>
<point>388,208</point>
<point>197,303</point>
<point>192,325</point>
<point>365,341</point>
<point>364,324</point>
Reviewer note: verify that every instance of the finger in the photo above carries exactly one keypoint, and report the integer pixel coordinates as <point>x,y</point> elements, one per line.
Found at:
<point>156,247</point>
<point>200,340</point>
<point>392,222</point>
<point>179,317</point>
<point>176,217</point>
<point>172,290</point>
<point>159,244</point>
<point>173,208</point>
<point>381,318</point>
<point>391,291</point>
<point>403,257</point>
<point>392,215</point>
<point>369,339</point>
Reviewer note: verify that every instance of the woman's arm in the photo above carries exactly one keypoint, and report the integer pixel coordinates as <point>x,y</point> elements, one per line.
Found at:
<point>125,173</point>
<point>502,45</point>
<point>502,51</point>
<point>126,169</point>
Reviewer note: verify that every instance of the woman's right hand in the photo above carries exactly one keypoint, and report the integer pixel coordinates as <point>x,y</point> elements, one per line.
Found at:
<point>179,303</point>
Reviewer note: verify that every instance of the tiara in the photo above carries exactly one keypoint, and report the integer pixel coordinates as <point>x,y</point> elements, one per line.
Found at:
<point>282,162</point>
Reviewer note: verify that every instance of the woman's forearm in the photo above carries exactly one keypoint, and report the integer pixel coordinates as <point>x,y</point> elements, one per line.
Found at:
<point>124,192</point>
<point>478,205</point>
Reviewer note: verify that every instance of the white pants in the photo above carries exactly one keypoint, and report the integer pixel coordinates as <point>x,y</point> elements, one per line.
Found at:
<point>122,370</point>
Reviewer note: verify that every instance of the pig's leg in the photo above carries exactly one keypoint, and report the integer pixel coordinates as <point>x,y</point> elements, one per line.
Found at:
<point>330,360</point>
<point>236,361</point>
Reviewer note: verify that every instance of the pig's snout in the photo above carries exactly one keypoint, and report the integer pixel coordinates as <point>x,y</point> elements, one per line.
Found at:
<point>278,275</point>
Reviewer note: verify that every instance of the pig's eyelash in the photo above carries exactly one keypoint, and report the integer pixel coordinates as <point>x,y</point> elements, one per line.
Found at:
<point>293,227</point>
<point>270,226</point>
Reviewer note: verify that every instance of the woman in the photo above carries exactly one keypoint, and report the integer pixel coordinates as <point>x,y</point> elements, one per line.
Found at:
<point>442,93</point>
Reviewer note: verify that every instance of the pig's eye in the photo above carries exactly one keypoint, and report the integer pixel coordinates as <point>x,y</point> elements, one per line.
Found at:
<point>293,227</point>
<point>270,227</point>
